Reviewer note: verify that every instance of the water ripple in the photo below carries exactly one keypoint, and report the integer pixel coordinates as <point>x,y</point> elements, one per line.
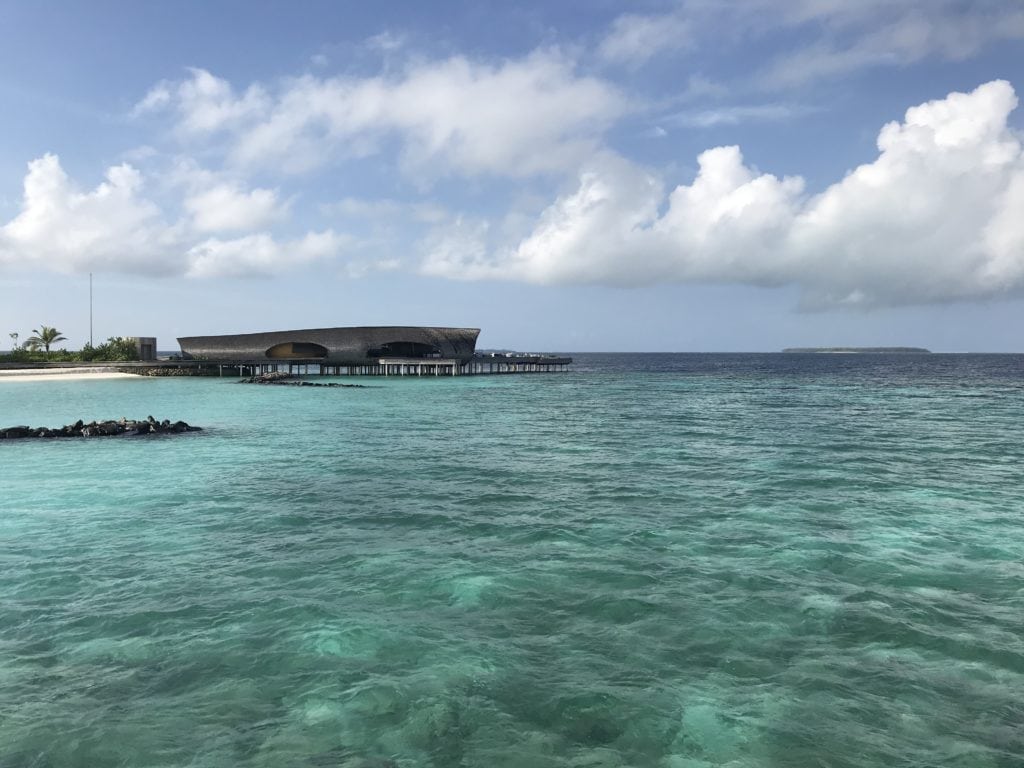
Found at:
<point>672,561</point>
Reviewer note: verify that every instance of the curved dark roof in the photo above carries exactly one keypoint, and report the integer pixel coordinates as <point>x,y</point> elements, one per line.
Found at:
<point>342,346</point>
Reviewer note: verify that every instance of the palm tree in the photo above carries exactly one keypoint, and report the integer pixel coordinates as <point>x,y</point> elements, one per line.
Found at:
<point>44,337</point>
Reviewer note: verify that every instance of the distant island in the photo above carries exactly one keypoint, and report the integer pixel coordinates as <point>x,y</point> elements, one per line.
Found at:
<point>862,350</point>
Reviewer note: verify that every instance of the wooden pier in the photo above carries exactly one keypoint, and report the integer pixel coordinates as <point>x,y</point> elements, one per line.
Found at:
<point>413,366</point>
<point>479,365</point>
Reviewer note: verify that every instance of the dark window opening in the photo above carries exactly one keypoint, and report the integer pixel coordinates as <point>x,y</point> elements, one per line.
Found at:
<point>296,350</point>
<point>404,349</point>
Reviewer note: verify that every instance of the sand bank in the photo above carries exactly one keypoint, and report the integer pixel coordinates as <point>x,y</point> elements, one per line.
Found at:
<point>63,374</point>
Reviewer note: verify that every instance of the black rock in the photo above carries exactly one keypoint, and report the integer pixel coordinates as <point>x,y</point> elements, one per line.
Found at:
<point>100,429</point>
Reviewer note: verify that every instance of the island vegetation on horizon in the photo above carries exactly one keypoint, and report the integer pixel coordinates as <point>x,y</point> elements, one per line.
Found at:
<point>863,350</point>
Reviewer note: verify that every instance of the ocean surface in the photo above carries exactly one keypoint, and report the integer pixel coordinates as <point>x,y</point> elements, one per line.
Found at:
<point>679,561</point>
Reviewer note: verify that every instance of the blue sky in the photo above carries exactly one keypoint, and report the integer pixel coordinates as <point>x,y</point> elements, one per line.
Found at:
<point>676,176</point>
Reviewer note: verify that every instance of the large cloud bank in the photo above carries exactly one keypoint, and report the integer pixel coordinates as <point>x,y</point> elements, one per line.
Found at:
<point>526,117</point>
<point>938,216</point>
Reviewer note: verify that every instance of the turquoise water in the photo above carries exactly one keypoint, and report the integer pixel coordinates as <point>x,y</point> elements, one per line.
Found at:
<point>673,561</point>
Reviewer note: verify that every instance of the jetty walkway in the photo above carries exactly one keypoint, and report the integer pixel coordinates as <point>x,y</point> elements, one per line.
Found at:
<point>385,366</point>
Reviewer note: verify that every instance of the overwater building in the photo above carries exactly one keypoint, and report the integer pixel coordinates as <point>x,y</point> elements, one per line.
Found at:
<point>375,350</point>
<point>336,346</point>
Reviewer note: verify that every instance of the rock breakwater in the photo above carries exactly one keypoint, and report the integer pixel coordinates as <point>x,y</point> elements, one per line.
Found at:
<point>123,427</point>
<point>282,379</point>
<point>161,370</point>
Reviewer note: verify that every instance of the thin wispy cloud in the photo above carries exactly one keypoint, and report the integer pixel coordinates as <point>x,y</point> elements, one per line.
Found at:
<point>386,42</point>
<point>836,37</point>
<point>384,209</point>
<point>456,116</point>
<point>634,39</point>
<point>734,115</point>
<point>910,38</point>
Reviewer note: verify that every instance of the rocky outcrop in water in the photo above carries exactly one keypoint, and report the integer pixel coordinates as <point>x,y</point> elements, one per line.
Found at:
<point>166,370</point>
<point>282,379</point>
<point>121,427</point>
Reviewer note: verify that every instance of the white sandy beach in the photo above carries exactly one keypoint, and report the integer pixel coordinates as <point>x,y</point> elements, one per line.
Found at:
<point>63,374</point>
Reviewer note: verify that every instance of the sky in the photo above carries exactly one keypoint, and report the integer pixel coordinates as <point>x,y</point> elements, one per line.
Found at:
<point>581,175</point>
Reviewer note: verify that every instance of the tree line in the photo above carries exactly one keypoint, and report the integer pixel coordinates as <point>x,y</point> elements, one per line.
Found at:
<point>37,349</point>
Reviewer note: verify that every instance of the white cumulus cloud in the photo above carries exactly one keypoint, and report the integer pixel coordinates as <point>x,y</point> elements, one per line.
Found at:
<point>226,207</point>
<point>66,228</point>
<point>216,202</point>
<point>937,216</point>
<point>116,227</point>
<point>261,254</point>
<point>205,103</point>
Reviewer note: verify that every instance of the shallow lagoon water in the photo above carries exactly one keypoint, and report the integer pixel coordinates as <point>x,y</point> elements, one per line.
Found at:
<point>659,560</point>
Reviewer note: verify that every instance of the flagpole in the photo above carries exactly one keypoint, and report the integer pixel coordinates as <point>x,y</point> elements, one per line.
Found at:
<point>90,309</point>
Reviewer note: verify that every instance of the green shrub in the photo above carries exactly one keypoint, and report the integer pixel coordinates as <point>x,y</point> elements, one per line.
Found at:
<point>27,355</point>
<point>115,349</point>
